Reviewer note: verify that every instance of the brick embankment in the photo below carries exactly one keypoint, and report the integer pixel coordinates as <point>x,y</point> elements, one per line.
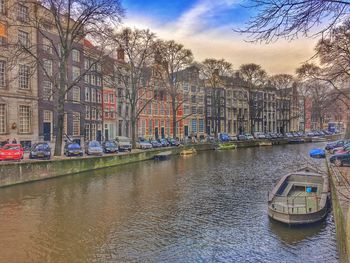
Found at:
<point>340,190</point>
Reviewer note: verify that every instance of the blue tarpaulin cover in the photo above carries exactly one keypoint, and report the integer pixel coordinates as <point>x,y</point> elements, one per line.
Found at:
<point>317,153</point>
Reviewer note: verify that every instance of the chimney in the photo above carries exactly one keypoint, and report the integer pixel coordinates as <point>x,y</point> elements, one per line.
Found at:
<point>120,54</point>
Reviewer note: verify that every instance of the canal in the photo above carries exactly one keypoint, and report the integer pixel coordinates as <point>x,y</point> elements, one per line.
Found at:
<point>210,207</point>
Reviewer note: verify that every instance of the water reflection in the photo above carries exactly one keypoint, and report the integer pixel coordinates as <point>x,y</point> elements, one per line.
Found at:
<point>210,207</point>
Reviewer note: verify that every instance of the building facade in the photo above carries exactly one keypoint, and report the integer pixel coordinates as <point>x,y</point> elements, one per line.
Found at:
<point>18,77</point>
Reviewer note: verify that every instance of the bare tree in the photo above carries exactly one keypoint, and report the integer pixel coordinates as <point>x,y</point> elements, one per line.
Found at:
<point>213,72</point>
<point>255,77</point>
<point>136,73</point>
<point>174,58</point>
<point>289,19</point>
<point>65,25</point>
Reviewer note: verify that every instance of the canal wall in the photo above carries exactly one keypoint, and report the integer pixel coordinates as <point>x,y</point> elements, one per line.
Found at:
<point>29,171</point>
<point>341,211</point>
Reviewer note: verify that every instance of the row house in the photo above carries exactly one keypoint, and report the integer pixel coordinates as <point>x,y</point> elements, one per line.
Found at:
<point>49,48</point>
<point>283,110</point>
<point>18,78</point>
<point>93,94</point>
<point>193,103</point>
<point>215,110</point>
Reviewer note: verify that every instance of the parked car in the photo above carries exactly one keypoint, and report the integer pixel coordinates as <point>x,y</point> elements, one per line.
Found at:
<point>335,144</point>
<point>163,142</point>
<point>40,150</point>
<point>173,142</point>
<point>249,136</point>
<point>110,147</point>
<point>143,144</point>
<point>268,136</point>
<point>340,159</point>
<point>93,148</point>
<point>233,138</point>
<point>11,152</point>
<point>310,134</point>
<point>273,135</point>
<point>224,137</point>
<point>73,149</point>
<point>342,150</point>
<point>242,137</point>
<point>259,135</point>
<point>155,144</point>
<point>124,143</point>
<point>288,135</point>
<point>334,150</point>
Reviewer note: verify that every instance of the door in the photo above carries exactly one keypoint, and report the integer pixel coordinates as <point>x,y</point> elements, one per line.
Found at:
<point>163,132</point>
<point>186,131</point>
<point>47,131</point>
<point>99,135</point>
<point>156,134</point>
<point>106,135</point>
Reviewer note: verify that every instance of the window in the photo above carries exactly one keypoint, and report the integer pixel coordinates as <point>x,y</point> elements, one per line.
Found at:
<point>76,94</point>
<point>99,113</point>
<point>105,98</point>
<point>3,33</point>
<point>47,45</point>
<point>47,65</point>
<point>23,75</point>
<point>93,95</point>
<point>194,110</point>
<point>201,125</point>
<point>98,81</point>
<point>87,112</point>
<point>2,73</point>
<point>87,132</point>
<point>2,7</point>
<point>93,80</point>
<point>76,72</point>
<point>87,78</point>
<point>193,88</point>
<point>200,110</point>
<point>193,98</point>
<point>76,55</point>
<point>76,123</point>
<point>87,94</point>
<point>47,90</point>
<point>93,131</point>
<point>111,98</point>
<point>3,120</point>
<point>23,38</point>
<point>25,119</point>
<point>86,64</point>
<point>22,13</point>
<point>194,125</point>
<point>99,97</point>
<point>93,113</point>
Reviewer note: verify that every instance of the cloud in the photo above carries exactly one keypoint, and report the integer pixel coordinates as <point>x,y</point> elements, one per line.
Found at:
<point>197,30</point>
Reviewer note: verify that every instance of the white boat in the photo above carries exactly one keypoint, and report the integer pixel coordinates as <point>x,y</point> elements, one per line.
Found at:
<point>300,197</point>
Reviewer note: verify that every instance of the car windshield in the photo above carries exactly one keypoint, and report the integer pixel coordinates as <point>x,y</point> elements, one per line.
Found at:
<point>154,141</point>
<point>11,147</point>
<point>74,146</point>
<point>42,147</point>
<point>111,144</point>
<point>94,144</point>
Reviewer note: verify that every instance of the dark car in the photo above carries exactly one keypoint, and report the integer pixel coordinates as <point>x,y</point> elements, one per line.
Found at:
<point>40,150</point>
<point>155,144</point>
<point>163,142</point>
<point>242,137</point>
<point>110,147</point>
<point>73,149</point>
<point>335,144</point>
<point>173,142</point>
<point>224,137</point>
<point>340,159</point>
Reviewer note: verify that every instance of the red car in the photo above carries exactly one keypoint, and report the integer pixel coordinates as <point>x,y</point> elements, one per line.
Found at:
<point>11,152</point>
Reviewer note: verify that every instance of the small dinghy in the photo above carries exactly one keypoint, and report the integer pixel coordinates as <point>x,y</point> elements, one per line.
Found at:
<point>188,152</point>
<point>162,156</point>
<point>265,143</point>
<point>317,153</point>
<point>300,197</point>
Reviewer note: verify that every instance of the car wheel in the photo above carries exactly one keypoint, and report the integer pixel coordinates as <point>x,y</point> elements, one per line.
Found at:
<point>338,163</point>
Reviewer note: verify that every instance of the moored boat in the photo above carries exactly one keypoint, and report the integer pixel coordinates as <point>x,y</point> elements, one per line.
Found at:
<point>300,197</point>
<point>318,139</point>
<point>226,146</point>
<point>296,141</point>
<point>162,156</point>
<point>265,143</point>
<point>188,151</point>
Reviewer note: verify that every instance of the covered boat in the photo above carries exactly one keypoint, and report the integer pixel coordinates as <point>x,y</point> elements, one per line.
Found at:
<point>265,143</point>
<point>300,197</point>
<point>317,153</point>
<point>296,141</point>
<point>226,146</point>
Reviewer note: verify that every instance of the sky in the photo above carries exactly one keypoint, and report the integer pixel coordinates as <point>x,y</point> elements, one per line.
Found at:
<point>206,27</point>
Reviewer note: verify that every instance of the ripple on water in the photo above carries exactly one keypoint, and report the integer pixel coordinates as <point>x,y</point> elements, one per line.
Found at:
<point>210,207</point>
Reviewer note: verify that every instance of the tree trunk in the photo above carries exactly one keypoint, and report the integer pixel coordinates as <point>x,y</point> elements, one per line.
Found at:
<point>174,113</point>
<point>133,121</point>
<point>60,108</point>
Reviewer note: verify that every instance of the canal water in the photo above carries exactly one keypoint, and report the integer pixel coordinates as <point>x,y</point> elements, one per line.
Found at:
<point>210,207</point>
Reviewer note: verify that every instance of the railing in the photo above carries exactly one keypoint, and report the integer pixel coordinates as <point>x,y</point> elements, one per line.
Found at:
<point>295,204</point>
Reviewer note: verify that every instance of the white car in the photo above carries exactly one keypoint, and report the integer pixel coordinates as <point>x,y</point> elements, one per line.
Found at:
<point>144,145</point>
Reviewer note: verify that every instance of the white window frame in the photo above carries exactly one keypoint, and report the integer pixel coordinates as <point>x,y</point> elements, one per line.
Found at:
<point>24,77</point>
<point>3,118</point>
<point>25,119</point>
